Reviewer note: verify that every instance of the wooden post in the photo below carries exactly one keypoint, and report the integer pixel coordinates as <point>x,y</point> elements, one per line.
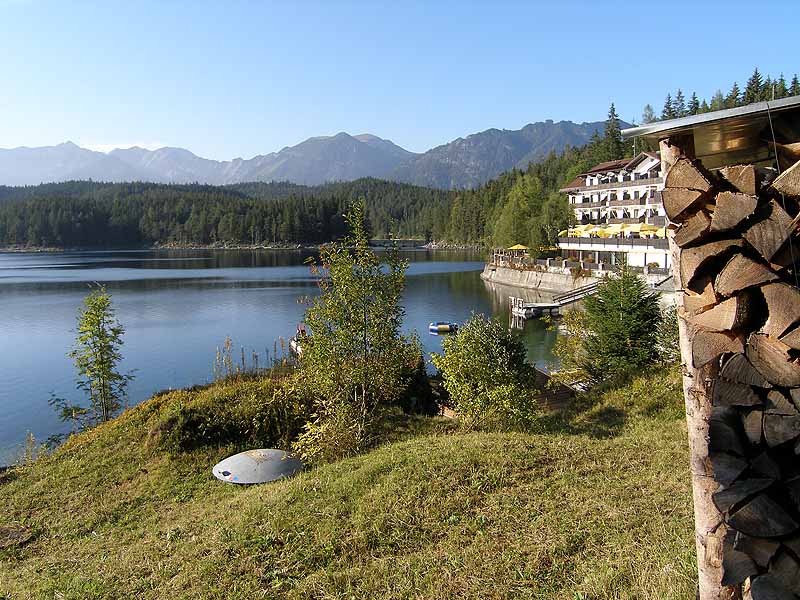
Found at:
<point>709,530</point>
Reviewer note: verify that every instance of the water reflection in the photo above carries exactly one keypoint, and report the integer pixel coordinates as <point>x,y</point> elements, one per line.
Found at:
<point>178,307</point>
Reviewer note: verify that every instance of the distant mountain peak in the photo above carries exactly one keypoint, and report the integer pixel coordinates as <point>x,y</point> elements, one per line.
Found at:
<point>464,162</point>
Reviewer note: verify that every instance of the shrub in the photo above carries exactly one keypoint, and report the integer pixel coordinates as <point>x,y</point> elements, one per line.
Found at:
<point>355,359</point>
<point>486,376</point>
<point>258,413</point>
<point>570,351</point>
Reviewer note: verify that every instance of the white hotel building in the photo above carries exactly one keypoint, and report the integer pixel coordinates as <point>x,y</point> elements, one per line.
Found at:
<point>624,194</point>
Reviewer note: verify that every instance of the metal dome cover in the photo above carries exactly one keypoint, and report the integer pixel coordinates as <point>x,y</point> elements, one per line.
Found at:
<point>257,466</point>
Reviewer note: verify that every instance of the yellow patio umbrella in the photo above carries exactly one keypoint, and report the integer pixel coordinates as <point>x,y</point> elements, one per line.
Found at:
<point>563,233</point>
<point>597,230</point>
<point>603,232</point>
<point>518,247</point>
<point>579,230</point>
<point>662,233</point>
<point>614,229</point>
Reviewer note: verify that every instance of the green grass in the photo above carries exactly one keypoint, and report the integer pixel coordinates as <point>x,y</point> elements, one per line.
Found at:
<point>596,507</point>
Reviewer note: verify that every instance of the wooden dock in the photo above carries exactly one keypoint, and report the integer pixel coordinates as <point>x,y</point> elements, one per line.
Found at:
<point>536,310</point>
<point>533,310</point>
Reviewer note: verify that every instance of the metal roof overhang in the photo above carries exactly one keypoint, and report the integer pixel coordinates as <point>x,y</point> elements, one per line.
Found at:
<point>734,135</point>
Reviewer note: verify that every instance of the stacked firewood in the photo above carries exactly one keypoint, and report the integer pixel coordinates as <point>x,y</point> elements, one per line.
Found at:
<point>738,261</point>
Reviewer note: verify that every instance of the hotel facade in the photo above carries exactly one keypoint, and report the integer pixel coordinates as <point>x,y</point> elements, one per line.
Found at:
<point>618,211</point>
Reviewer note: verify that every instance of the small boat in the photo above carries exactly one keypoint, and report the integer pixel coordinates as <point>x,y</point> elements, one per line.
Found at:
<point>442,327</point>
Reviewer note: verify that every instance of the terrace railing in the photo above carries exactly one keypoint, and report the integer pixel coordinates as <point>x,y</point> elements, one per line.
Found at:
<point>599,243</point>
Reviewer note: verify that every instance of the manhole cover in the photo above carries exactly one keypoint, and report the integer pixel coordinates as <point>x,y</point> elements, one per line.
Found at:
<point>257,466</point>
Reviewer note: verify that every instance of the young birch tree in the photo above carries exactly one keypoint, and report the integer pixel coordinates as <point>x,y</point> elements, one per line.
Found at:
<point>355,357</point>
<point>96,355</point>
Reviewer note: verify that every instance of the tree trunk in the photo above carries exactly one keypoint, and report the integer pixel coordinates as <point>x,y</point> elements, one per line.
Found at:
<point>709,530</point>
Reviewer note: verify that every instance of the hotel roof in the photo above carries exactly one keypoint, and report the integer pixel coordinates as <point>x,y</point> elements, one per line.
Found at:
<point>606,167</point>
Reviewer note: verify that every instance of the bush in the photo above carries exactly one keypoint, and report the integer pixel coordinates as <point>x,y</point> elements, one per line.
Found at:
<point>486,376</point>
<point>258,413</point>
<point>570,350</point>
<point>356,359</point>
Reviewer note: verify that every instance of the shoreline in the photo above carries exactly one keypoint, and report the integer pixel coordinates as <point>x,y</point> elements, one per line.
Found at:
<point>439,246</point>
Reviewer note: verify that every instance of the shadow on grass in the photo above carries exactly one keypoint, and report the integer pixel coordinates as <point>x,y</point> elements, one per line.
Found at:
<point>605,422</point>
<point>604,411</point>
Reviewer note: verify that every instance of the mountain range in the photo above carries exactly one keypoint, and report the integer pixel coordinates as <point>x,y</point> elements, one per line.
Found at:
<point>463,163</point>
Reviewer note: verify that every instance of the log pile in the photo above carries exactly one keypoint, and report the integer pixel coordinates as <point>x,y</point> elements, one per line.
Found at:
<point>738,253</point>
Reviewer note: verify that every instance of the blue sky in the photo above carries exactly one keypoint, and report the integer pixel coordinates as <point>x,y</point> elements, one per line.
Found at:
<point>227,79</point>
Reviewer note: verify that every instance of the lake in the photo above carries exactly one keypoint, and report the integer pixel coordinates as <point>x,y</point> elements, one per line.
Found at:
<point>178,307</point>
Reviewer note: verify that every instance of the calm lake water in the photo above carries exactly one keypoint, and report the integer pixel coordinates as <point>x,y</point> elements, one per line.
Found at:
<point>178,307</point>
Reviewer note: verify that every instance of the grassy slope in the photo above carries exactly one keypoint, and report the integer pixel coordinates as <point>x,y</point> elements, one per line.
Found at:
<point>601,510</point>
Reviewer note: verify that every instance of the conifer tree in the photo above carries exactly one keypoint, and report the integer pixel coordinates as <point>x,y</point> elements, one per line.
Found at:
<point>781,91</point>
<point>679,106</point>
<point>704,108</point>
<point>694,105</point>
<point>733,99</point>
<point>794,89</point>
<point>752,91</point>
<point>767,89</point>
<point>613,136</point>
<point>623,321</point>
<point>668,112</point>
<point>648,115</point>
<point>718,101</point>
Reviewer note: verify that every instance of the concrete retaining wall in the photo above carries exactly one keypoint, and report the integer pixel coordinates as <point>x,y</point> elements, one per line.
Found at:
<point>535,280</point>
<point>551,279</point>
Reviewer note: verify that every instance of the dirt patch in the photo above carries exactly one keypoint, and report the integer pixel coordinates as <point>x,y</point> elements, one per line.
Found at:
<point>14,536</point>
<point>6,475</point>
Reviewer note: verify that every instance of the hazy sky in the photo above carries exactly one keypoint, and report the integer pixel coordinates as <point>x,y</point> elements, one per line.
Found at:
<point>227,79</point>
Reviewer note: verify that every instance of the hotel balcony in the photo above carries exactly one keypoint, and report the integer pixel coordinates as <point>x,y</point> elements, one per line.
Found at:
<point>599,204</point>
<point>627,202</point>
<point>621,184</point>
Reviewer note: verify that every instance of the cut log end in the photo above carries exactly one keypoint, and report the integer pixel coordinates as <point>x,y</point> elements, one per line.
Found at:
<point>740,273</point>
<point>709,345</point>
<point>693,229</point>
<point>742,178</point>
<point>771,358</point>
<point>770,230</point>
<point>788,182</point>
<point>731,209</point>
